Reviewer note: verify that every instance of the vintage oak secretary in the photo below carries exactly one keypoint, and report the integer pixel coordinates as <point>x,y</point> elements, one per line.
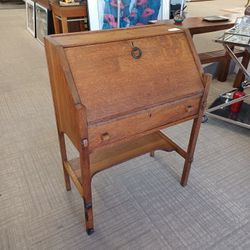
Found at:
<point>114,90</point>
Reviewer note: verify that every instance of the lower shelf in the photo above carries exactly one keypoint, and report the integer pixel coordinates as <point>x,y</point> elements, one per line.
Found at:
<point>108,157</point>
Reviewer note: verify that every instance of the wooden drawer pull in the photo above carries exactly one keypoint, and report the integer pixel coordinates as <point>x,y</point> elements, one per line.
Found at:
<point>105,137</point>
<point>189,108</point>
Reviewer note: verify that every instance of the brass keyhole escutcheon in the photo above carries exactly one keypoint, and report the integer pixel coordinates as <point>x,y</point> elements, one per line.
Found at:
<point>136,53</point>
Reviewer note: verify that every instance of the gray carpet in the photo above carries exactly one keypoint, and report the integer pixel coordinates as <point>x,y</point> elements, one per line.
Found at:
<point>8,5</point>
<point>138,204</point>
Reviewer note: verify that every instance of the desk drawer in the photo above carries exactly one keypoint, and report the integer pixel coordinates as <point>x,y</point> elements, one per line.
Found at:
<point>140,122</point>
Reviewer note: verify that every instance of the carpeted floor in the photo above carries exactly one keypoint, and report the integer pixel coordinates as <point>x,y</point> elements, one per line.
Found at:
<point>11,5</point>
<point>138,204</point>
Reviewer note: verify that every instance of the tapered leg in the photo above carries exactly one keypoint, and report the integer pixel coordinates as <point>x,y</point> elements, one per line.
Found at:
<point>195,132</point>
<point>87,193</point>
<point>191,147</point>
<point>64,158</point>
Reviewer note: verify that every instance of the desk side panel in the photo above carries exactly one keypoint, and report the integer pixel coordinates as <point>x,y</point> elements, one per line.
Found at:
<point>68,112</point>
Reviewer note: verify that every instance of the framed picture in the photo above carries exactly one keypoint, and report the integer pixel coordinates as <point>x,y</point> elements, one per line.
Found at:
<point>109,14</point>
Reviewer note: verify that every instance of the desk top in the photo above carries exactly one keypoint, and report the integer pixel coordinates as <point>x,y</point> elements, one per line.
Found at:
<point>196,25</point>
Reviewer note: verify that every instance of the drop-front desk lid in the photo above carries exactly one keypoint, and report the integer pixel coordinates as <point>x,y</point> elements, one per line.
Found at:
<point>112,82</point>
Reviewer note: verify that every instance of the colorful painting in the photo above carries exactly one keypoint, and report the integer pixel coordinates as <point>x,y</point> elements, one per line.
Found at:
<point>125,13</point>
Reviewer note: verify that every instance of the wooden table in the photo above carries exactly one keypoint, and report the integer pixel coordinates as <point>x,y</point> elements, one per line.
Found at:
<point>67,14</point>
<point>196,25</point>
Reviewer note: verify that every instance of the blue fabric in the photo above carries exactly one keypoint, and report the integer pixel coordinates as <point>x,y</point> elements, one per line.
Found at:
<point>131,14</point>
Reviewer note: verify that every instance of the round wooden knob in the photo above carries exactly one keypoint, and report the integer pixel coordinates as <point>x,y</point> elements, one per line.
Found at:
<point>105,137</point>
<point>189,108</point>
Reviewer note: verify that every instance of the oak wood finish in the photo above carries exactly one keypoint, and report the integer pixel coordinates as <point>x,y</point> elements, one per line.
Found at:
<point>112,106</point>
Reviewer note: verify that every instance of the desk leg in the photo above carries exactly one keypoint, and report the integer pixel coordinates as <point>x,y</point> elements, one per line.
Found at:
<point>190,151</point>
<point>56,24</point>
<point>87,193</point>
<point>195,132</point>
<point>223,68</point>
<point>65,25</point>
<point>82,25</point>
<point>240,77</point>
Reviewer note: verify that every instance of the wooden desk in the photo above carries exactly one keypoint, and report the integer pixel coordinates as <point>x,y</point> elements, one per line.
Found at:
<point>196,25</point>
<point>113,92</point>
<point>66,14</point>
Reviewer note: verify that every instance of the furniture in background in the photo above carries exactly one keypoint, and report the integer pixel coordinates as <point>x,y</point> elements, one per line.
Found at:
<point>69,18</point>
<point>39,18</point>
<point>247,11</point>
<point>114,90</point>
<point>240,77</point>
<point>230,106</point>
<point>106,14</point>
<point>44,22</point>
<point>30,16</point>
<point>196,25</point>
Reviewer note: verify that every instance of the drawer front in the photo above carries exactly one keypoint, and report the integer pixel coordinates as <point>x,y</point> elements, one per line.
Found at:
<point>142,122</point>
